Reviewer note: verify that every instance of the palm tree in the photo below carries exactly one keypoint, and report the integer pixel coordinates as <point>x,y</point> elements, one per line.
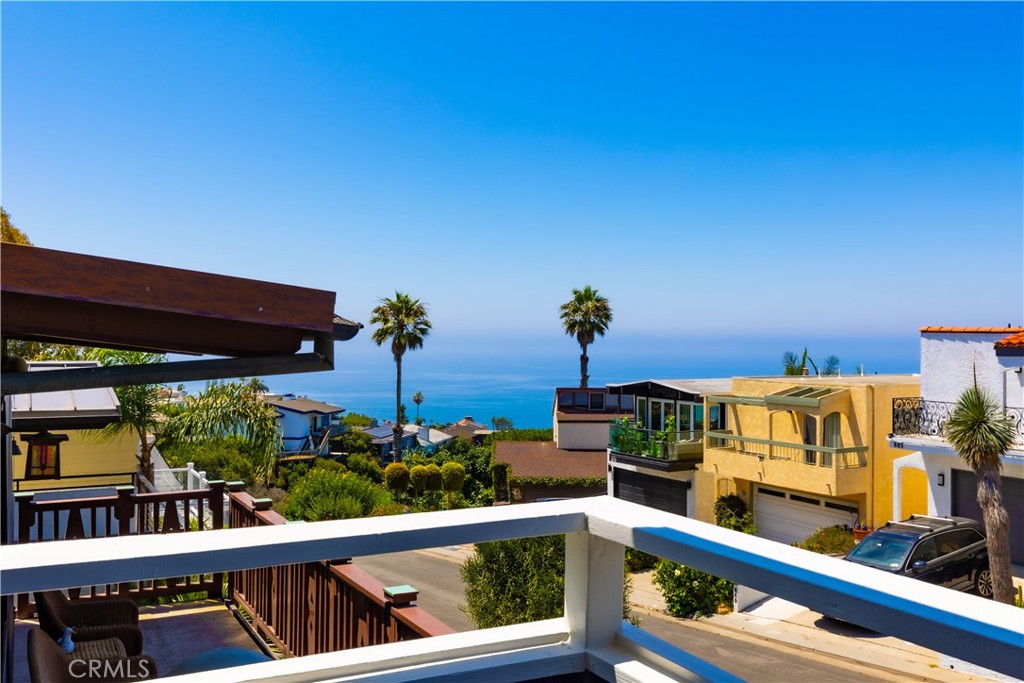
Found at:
<point>140,404</point>
<point>403,321</point>
<point>980,431</point>
<point>417,398</point>
<point>586,316</point>
<point>227,409</point>
<point>796,365</point>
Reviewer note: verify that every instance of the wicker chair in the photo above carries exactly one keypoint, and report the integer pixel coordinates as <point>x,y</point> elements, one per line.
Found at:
<point>90,619</point>
<point>103,659</point>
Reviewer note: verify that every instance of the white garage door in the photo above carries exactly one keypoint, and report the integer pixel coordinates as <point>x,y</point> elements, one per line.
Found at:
<point>788,516</point>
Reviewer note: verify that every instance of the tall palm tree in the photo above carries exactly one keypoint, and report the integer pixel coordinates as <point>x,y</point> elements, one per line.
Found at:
<point>980,431</point>
<point>587,315</point>
<point>417,398</point>
<point>402,321</point>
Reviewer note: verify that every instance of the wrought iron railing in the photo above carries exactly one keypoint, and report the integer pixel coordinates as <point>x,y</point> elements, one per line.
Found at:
<point>808,454</point>
<point>624,436</point>
<point>915,415</point>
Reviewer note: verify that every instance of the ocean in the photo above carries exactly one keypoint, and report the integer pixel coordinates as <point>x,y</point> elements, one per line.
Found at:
<point>486,377</point>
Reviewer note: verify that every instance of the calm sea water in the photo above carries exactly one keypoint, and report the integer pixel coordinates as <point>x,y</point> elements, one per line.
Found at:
<point>486,377</point>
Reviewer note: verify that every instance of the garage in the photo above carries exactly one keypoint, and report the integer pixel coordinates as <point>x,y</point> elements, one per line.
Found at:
<point>965,504</point>
<point>790,516</point>
<point>660,493</point>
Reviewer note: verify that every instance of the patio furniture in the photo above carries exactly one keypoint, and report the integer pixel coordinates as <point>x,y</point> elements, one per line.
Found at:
<point>103,659</point>
<point>90,619</point>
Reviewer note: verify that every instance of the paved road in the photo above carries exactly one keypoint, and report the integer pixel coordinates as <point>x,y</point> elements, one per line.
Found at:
<point>748,657</point>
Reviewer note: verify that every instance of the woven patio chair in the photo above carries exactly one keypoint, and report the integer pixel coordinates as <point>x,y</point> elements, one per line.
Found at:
<point>104,660</point>
<point>90,619</point>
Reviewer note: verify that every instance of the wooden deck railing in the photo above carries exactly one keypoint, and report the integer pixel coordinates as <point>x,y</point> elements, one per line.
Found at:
<point>318,607</point>
<point>123,514</point>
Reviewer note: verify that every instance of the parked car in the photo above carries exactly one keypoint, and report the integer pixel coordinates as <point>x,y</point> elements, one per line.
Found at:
<point>946,551</point>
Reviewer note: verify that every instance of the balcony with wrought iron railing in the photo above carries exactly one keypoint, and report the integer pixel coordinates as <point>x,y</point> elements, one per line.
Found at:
<point>591,637</point>
<point>819,469</point>
<point>915,416</point>
<point>665,449</point>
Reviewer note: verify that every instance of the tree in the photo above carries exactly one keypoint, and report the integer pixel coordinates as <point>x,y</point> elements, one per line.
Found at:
<point>141,408</point>
<point>435,478</point>
<point>500,423</point>
<point>402,321</point>
<point>794,365</point>
<point>587,315</point>
<point>453,477</point>
<point>9,233</point>
<point>418,477</point>
<point>519,580</point>
<point>980,432</point>
<point>417,398</point>
<point>396,478</point>
<point>231,409</point>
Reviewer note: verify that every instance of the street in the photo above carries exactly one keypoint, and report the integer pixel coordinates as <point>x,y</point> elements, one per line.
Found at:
<point>436,576</point>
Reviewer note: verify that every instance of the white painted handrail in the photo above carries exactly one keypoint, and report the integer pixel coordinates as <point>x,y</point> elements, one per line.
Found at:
<point>597,529</point>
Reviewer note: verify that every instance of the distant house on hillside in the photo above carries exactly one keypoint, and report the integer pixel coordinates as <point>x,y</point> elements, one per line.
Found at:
<point>418,437</point>
<point>306,426</point>
<point>468,429</point>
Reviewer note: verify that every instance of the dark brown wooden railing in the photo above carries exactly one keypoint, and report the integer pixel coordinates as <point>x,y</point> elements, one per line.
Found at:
<point>322,606</point>
<point>127,513</point>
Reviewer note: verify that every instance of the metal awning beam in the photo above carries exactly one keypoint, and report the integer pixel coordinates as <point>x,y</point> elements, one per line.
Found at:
<point>322,358</point>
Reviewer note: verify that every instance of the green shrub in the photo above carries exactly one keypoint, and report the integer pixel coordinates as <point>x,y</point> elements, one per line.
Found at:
<point>326,494</point>
<point>689,592</point>
<point>366,466</point>
<point>453,476</point>
<point>396,478</point>
<point>418,476</point>
<point>829,540</point>
<point>435,480</point>
<point>638,560</point>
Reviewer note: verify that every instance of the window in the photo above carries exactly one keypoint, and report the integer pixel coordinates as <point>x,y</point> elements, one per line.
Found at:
<point>596,401</point>
<point>641,412</point>
<point>579,399</point>
<point>925,550</point>
<point>832,431</point>
<point>565,399</point>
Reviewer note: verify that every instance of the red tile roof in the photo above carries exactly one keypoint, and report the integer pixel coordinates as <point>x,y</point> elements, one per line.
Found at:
<point>543,459</point>
<point>1014,341</point>
<point>974,330</point>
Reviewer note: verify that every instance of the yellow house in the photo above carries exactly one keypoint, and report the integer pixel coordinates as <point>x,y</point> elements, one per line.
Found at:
<point>806,452</point>
<point>85,460</point>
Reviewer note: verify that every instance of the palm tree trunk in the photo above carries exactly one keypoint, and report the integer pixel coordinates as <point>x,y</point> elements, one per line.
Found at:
<point>584,360</point>
<point>997,528</point>
<point>396,448</point>
<point>145,456</point>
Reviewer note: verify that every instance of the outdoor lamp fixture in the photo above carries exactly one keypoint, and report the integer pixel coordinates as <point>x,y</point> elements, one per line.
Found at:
<point>43,461</point>
<point>942,479</point>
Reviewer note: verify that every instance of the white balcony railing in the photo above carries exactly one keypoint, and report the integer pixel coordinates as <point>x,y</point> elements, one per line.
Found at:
<point>591,636</point>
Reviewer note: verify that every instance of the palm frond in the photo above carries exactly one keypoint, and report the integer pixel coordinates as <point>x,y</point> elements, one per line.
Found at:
<point>979,430</point>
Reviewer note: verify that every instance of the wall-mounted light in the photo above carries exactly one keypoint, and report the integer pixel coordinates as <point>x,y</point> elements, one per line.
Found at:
<point>43,461</point>
<point>942,479</point>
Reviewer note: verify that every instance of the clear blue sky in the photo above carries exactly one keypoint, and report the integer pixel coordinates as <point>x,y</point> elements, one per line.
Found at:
<point>806,169</point>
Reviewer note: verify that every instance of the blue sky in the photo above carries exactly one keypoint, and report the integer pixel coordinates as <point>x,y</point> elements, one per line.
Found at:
<point>786,170</point>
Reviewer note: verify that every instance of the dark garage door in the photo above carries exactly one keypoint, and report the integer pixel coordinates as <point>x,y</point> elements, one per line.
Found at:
<point>656,492</point>
<point>965,504</point>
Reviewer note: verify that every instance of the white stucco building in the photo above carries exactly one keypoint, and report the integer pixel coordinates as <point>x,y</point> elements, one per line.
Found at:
<point>933,476</point>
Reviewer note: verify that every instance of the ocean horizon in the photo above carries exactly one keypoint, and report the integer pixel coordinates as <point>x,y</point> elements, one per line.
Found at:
<point>516,378</point>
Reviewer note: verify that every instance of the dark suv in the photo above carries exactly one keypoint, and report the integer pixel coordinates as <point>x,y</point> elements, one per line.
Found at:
<point>947,551</point>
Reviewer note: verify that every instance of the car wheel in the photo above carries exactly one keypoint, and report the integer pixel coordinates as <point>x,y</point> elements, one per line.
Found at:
<point>983,582</point>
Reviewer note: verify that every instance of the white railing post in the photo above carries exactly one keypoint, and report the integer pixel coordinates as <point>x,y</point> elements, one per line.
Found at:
<point>188,475</point>
<point>593,588</point>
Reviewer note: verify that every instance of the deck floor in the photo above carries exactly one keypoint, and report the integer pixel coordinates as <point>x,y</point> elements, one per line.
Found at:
<point>171,634</point>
